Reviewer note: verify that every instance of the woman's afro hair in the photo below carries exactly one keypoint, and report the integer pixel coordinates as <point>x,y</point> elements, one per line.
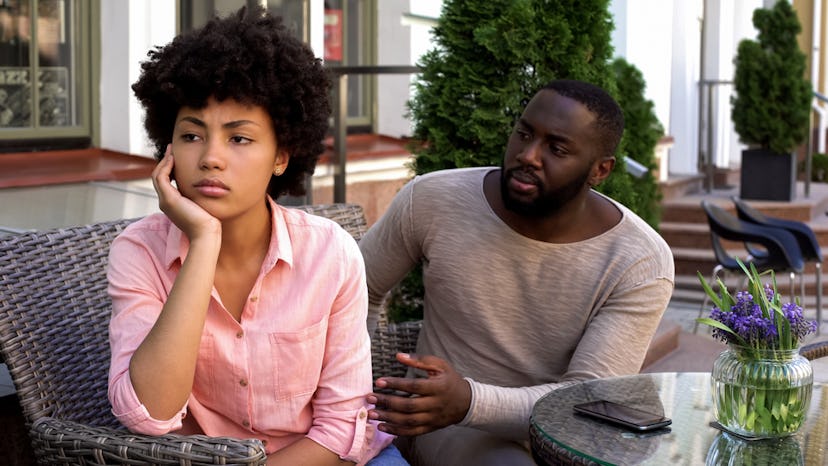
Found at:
<point>251,57</point>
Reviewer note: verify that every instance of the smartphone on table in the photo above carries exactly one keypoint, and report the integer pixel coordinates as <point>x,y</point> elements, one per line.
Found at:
<point>622,415</point>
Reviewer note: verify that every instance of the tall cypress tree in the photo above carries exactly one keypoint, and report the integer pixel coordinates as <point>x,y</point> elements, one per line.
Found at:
<point>489,56</point>
<point>642,130</point>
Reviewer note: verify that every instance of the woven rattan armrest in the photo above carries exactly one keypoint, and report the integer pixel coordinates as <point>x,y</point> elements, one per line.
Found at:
<point>815,350</point>
<point>59,441</point>
<point>390,339</point>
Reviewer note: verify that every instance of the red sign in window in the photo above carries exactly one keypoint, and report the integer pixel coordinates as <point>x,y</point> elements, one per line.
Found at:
<point>333,35</point>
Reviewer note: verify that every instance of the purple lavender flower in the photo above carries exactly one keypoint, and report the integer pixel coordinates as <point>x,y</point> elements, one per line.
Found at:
<point>747,320</point>
<point>752,320</point>
<point>799,326</point>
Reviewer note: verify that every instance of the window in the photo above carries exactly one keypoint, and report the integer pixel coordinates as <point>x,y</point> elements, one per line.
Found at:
<point>349,39</point>
<point>45,82</point>
<point>196,13</point>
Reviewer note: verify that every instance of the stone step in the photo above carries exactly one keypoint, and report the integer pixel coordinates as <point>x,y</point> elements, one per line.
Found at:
<point>684,227</point>
<point>686,234</point>
<point>697,235</point>
<point>688,209</point>
<point>690,260</point>
<point>678,186</point>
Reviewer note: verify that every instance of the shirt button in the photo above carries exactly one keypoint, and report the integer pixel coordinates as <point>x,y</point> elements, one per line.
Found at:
<point>239,334</point>
<point>246,423</point>
<point>243,382</point>
<point>264,442</point>
<point>253,299</point>
<point>362,415</point>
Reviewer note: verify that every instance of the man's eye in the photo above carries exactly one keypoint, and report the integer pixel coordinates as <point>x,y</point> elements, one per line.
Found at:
<point>557,149</point>
<point>189,137</point>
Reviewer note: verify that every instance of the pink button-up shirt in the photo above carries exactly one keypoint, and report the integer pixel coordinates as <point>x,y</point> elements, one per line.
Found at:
<point>297,365</point>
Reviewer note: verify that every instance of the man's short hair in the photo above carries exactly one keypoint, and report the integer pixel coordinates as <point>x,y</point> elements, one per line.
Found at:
<point>609,118</point>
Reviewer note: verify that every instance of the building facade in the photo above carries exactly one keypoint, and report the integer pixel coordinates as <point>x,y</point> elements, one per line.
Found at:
<point>66,66</point>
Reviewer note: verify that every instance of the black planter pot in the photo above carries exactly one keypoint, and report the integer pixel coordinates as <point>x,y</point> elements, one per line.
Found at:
<point>767,175</point>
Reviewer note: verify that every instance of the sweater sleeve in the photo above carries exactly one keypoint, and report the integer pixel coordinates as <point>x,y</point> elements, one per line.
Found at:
<point>505,411</point>
<point>614,344</point>
<point>616,340</point>
<point>390,250</point>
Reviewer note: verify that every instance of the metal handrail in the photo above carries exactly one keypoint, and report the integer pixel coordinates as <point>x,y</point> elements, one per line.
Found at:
<point>341,113</point>
<point>706,156</point>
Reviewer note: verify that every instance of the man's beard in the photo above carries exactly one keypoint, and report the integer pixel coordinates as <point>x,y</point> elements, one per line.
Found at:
<point>547,202</point>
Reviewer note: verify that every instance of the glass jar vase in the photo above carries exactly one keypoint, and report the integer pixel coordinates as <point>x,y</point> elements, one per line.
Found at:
<point>761,393</point>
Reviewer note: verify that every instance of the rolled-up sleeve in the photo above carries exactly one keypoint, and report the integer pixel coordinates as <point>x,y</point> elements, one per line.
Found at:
<point>134,282</point>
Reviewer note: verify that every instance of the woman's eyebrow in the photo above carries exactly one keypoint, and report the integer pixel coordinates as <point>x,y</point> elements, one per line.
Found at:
<point>237,123</point>
<point>228,125</point>
<point>193,120</point>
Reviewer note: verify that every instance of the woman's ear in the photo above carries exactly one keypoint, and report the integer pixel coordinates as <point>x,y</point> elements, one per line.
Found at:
<point>281,162</point>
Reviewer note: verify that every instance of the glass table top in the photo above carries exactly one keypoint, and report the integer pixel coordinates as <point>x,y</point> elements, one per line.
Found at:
<point>690,440</point>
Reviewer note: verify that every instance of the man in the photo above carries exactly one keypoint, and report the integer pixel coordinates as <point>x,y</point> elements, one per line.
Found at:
<point>532,280</point>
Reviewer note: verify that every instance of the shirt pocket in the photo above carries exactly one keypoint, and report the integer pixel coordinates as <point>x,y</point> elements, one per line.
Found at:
<point>298,360</point>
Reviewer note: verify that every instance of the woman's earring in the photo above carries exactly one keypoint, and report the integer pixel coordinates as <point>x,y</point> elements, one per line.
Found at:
<point>277,171</point>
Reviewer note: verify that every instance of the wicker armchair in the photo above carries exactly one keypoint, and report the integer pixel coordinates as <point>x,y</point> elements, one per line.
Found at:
<point>54,314</point>
<point>814,350</point>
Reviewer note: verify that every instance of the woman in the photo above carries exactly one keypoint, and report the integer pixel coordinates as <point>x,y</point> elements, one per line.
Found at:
<point>234,316</point>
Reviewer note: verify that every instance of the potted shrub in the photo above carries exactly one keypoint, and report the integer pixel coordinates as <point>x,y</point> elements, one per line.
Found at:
<point>771,105</point>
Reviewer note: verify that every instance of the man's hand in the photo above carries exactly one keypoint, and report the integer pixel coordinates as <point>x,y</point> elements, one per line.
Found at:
<point>438,401</point>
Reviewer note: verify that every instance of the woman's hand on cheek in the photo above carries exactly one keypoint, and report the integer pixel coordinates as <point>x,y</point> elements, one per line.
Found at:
<point>188,216</point>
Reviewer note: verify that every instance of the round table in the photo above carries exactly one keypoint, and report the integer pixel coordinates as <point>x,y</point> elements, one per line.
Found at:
<point>559,436</point>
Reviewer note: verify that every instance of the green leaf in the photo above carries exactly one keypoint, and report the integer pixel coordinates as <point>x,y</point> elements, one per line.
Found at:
<point>782,410</point>
<point>714,297</point>
<point>721,326</point>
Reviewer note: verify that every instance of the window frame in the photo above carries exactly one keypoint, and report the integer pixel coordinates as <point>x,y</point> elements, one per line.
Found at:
<point>84,78</point>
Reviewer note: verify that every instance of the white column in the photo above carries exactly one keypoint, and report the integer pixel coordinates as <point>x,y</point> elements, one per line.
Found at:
<point>649,43</point>
<point>129,28</point>
<point>684,91</point>
<point>644,36</point>
<point>393,48</point>
<point>316,15</point>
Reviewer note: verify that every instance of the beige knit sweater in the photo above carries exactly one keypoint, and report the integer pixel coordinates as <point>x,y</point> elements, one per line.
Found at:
<point>517,316</point>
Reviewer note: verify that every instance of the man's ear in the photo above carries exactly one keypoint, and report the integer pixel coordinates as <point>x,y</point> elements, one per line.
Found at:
<point>601,169</point>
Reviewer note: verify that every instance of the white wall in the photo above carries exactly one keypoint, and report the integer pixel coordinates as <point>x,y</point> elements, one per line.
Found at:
<point>393,49</point>
<point>643,36</point>
<point>684,91</point>
<point>401,41</point>
<point>316,14</point>
<point>125,40</point>
<point>729,22</point>
<point>660,37</point>
<point>663,39</point>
